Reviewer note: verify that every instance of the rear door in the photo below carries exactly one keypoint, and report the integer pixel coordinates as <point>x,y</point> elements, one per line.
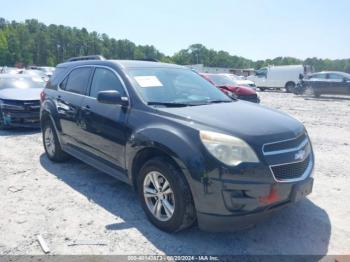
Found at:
<point>104,128</point>
<point>318,82</point>
<point>336,84</point>
<point>69,99</point>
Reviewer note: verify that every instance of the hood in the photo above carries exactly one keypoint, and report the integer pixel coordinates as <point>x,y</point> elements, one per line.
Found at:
<point>240,90</point>
<point>244,82</point>
<point>254,123</point>
<point>20,94</point>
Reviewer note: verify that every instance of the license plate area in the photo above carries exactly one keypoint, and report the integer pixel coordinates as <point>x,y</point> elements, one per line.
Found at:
<point>301,190</point>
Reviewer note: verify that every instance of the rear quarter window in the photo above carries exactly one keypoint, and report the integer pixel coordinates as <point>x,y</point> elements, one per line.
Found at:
<point>56,77</point>
<point>78,80</point>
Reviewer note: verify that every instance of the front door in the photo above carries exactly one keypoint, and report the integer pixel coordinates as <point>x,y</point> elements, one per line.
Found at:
<point>104,125</point>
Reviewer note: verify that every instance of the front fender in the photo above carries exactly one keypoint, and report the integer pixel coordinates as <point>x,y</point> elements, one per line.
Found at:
<point>49,109</point>
<point>181,146</point>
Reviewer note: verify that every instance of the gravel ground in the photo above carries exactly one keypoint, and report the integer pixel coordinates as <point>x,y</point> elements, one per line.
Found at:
<point>74,202</point>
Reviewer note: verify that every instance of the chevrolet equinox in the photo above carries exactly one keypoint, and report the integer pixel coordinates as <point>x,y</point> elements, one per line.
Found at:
<point>192,153</point>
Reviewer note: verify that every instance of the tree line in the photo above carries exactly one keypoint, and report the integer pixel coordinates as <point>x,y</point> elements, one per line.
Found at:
<point>34,43</point>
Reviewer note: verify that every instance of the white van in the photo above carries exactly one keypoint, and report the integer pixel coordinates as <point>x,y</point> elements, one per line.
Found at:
<point>277,77</point>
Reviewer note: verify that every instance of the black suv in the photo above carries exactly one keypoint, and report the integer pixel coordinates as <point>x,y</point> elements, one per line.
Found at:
<point>192,153</point>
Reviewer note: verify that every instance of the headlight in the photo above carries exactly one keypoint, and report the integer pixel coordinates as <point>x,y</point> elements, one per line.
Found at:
<point>228,149</point>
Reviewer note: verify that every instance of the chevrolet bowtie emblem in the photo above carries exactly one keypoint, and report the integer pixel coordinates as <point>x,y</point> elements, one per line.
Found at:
<point>300,155</point>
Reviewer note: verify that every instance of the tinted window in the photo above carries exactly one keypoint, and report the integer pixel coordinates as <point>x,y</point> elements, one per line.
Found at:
<point>318,76</point>
<point>335,77</point>
<point>64,83</point>
<point>104,80</point>
<point>261,72</point>
<point>78,80</point>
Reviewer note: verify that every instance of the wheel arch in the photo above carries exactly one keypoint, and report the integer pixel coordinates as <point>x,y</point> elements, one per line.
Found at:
<point>147,153</point>
<point>289,82</point>
<point>153,142</point>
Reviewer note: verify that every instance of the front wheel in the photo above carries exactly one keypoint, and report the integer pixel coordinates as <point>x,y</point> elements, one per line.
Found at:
<point>51,144</point>
<point>165,195</point>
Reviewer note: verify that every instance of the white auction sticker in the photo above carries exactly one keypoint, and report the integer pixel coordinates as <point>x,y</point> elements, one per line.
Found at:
<point>148,81</point>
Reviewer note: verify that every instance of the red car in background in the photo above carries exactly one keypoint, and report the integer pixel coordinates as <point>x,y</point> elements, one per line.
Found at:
<point>226,85</point>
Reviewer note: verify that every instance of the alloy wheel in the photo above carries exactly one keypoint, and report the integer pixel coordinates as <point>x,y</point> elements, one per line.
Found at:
<point>159,196</point>
<point>49,141</point>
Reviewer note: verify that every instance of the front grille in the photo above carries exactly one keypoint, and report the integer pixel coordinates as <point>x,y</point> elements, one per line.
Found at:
<point>287,144</point>
<point>21,106</point>
<point>291,171</point>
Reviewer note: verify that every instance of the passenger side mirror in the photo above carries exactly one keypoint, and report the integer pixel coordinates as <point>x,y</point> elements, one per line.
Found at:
<point>345,79</point>
<point>112,97</point>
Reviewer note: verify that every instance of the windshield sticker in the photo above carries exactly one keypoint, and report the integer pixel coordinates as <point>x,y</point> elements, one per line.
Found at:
<point>148,81</point>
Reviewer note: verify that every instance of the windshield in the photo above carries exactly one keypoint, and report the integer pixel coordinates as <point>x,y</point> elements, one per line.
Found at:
<point>221,80</point>
<point>174,86</point>
<point>20,82</point>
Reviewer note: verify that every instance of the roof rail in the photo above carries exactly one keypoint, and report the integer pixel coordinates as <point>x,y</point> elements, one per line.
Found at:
<point>88,57</point>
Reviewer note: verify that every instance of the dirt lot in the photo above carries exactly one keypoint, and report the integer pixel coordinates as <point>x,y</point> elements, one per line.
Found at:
<point>74,202</point>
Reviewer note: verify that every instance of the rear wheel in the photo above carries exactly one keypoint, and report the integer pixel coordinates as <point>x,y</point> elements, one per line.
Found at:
<point>165,195</point>
<point>309,91</point>
<point>290,86</point>
<point>262,89</point>
<point>51,144</point>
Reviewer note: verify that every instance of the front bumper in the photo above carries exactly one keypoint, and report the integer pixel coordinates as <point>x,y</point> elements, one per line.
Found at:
<point>262,207</point>
<point>21,118</point>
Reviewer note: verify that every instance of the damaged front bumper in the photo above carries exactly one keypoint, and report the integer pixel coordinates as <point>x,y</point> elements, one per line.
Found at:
<point>25,116</point>
<point>250,204</point>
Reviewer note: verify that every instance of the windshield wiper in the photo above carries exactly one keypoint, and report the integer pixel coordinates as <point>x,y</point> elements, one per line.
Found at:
<point>218,101</point>
<point>167,104</point>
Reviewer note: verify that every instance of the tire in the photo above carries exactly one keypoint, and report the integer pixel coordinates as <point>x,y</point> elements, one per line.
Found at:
<point>52,145</point>
<point>290,86</point>
<point>317,95</point>
<point>309,91</point>
<point>262,89</point>
<point>160,170</point>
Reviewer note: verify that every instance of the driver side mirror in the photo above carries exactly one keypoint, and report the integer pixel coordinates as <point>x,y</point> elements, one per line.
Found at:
<point>112,97</point>
<point>345,79</point>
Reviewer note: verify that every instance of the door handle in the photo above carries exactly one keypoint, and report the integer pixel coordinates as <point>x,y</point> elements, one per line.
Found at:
<point>86,110</point>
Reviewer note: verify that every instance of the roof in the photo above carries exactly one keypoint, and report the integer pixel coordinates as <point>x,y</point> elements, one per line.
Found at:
<point>120,63</point>
<point>331,72</point>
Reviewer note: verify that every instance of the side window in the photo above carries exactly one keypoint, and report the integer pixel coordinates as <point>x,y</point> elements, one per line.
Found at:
<point>78,80</point>
<point>64,83</point>
<point>318,76</point>
<point>261,72</point>
<point>104,80</point>
<point>335,77</point>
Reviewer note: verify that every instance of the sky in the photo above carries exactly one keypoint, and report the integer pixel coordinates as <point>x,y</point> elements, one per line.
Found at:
<point>255,29</point>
